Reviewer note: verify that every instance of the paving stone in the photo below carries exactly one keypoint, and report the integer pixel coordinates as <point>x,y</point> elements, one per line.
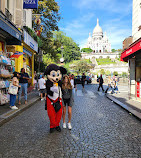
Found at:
<point>101,129</point>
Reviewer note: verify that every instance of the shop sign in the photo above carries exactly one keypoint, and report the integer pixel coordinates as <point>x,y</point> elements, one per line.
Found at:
<point>30,41</point>
<point>30,4</point>
<point>131,50</point>
<point>10,32</point>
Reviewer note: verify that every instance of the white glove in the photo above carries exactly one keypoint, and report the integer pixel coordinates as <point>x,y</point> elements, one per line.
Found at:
<point>54,89</point>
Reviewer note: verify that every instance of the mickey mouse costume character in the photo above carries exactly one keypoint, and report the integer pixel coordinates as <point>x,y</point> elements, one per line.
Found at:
<point>54,95</point>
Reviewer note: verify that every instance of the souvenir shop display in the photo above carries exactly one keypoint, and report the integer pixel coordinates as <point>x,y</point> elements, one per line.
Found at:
<point>6,70</point>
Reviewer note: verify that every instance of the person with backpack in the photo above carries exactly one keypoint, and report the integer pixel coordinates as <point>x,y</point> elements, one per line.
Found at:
<point>101,83</point>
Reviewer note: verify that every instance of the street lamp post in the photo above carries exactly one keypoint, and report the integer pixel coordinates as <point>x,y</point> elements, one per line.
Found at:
<point>62,59</point>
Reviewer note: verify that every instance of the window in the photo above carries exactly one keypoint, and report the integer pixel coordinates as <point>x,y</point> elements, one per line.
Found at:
<point>8,4</point>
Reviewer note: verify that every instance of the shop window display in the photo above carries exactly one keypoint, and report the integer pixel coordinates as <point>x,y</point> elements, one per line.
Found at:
<point>6,70</point>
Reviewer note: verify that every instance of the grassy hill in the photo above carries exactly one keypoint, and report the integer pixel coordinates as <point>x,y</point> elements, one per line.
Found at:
<point>105,61</point>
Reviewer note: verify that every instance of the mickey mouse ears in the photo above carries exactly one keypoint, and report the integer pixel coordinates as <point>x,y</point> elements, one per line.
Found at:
<point>55,68</point>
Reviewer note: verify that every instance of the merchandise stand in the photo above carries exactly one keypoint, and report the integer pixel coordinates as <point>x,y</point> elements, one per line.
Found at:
<point>6,70</point>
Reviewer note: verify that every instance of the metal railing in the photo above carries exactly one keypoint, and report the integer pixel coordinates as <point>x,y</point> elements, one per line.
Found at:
<point>8,14</point>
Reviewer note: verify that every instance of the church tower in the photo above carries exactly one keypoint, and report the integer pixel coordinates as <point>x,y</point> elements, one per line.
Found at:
<point>97,42</point>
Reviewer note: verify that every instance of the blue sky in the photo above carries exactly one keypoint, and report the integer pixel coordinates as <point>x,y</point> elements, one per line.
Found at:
<point>79,17</point>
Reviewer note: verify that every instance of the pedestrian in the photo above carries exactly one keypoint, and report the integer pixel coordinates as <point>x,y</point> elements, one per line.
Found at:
<point>110,85</point>
<point>116,85</point>
<point>15,83</point>
<point>23,81</point>
<point>101,83</point>
<point>83,80</point>
<point>73,82</point>
<point>70,76</point>
<point>35,80</point>
<point>67,100</point>
<point>42,87</point>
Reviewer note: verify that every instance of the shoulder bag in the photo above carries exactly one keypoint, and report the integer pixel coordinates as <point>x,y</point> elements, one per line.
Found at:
<point>13,89</point>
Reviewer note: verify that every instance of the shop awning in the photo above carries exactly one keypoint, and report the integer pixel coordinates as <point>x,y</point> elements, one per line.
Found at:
<point>9,31</point>
<point>16,55</point>
<point>133,48</point>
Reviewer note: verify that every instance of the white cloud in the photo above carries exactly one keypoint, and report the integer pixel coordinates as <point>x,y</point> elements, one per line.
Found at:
<point>116,6</point>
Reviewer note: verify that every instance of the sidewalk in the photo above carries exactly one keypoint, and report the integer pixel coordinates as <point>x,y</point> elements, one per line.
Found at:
<point>123,100</point>
<point>7,114</point>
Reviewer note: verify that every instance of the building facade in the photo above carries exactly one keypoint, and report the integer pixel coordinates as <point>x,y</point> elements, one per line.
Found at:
<point>98,42</point>
<point>136,20</point>
<point>132,54</point>
<point>127,42</point>
<point>27,47</point>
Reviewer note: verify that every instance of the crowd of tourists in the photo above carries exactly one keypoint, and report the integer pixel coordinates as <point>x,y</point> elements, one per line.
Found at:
<point>50,92</point>
<point>112,84</point>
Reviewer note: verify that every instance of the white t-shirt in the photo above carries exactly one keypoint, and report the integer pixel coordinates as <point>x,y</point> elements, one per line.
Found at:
<point>72,83</point>
<point>42,83</point>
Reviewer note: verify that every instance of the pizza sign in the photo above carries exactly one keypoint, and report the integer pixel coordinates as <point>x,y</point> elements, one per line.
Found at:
<point>30,4</point>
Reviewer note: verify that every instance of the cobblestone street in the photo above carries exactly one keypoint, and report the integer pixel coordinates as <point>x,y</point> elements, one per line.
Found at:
<point>101,129</point>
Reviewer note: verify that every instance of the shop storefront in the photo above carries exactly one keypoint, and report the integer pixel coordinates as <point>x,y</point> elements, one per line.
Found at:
<point>9,35</point>
<point>30,47</point>
<point>132,55</point>
<point>24,55</point>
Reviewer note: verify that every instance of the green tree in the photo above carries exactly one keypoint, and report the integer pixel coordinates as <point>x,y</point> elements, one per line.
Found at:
<point>113,50</point>
<point>50,16</point>
<point>81,66</point>
<point>108,73</point>
<point>47,59</point>
<point>124,74</point>
<point>87,50</point>
<point>70,51</point>
<point>102,71</point>
<point>115,73</point>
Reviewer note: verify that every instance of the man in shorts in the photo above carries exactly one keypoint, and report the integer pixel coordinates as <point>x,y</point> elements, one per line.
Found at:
<point>42,87</point>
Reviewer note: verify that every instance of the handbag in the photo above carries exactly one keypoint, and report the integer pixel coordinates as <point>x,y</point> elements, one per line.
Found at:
<point>56,105</point>
<point>13,89</point>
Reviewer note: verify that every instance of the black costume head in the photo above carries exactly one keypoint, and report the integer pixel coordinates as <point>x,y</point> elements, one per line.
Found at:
<point>54,73</point>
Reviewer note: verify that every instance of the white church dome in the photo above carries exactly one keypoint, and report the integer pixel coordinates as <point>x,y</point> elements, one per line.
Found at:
<point>97,29</point>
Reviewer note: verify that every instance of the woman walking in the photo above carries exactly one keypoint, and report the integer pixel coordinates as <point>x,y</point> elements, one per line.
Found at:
<point>83,80</point>
<point>15,82</point>
<point>68,101</point>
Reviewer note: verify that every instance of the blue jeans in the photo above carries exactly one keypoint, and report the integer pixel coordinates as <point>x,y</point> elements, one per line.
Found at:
<point>12,100</point>
<point>24,89</point>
